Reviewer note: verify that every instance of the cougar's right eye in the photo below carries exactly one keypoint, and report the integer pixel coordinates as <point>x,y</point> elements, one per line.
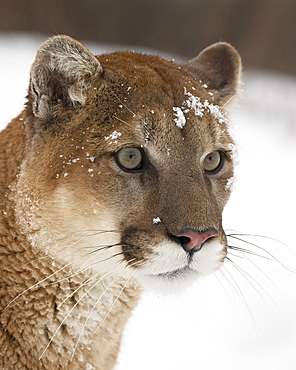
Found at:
<point>129,159</point>
<point>213,162</point>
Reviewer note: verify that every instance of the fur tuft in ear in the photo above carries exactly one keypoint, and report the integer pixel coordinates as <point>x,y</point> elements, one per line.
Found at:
<point>61,74</point>
<point>219,67</point>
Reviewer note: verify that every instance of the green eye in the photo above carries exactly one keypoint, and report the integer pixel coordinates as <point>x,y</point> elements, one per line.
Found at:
<point>213,162</point>
<point>129,159</point>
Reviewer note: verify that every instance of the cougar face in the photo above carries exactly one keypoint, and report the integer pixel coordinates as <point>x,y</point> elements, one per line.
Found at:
<point>136,175</point>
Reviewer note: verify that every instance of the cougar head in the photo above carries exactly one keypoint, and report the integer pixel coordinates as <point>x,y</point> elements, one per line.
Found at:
<point>128,161</point>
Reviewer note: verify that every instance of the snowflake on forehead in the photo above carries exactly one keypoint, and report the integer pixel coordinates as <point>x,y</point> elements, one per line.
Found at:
<point>179,119</point>
<point>194,103</point>
<point>112,138</point>
<point>199,107</point>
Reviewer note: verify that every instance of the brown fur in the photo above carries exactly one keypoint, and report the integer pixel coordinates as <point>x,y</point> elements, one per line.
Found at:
<point>77,231</point>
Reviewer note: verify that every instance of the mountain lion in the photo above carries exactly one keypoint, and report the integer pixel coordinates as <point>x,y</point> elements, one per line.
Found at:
<point>113,178</point>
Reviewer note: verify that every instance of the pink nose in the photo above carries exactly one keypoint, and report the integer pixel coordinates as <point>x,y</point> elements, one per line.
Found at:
<point>192,240</point>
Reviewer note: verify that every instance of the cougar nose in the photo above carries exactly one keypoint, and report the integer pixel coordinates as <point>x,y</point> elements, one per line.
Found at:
<point>192,240</point>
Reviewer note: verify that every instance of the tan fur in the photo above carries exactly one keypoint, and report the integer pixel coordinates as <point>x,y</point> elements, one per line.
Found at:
<point>77,232</point>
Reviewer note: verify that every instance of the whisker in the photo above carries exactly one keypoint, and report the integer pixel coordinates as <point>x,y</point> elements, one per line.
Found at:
<point>77,289</point>
<point>235,285</point>
<point>237,235</point>
<point>80,299</point>
<point>72,308</point>
<point>93,308</point>
<point>121,120</point>
<point>271,256</point>
<point>246,274</point>
<point>81,269</point>
<point>234,97</point>
<point>220,271</point>
<point>86,234</point>
<point>89,279</point>
<point>103,247</point>
<point>68,277</point>
<point>127,108</point>
<point>257,236</point>
<point>92,233</point>
<point>37,284</point>
<point>250,280</point>
<point>37,259</point>
<point>57,272</point>
<point>247,251</point>
<point>113,304</point>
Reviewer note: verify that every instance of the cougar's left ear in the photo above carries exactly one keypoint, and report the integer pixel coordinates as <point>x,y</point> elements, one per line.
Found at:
<point>61,74</point>
<point>219,67</point>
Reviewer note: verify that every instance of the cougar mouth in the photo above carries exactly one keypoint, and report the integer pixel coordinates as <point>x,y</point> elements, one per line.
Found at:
<point>175,274</point>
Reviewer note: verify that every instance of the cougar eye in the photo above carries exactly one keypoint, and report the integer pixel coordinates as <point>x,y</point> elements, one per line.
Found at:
<point>213,162</point>
<point>129,159</point>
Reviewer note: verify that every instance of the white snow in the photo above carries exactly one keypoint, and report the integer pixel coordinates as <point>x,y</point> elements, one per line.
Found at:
<point>112,137</point>
<point>242,317</point>
<point>199,107</point>
<point>179,119</point>
<point>156,220</point>
<point>193,102</point>
<point>230,184</point>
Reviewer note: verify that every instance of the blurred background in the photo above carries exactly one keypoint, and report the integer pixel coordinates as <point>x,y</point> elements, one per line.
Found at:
<point>263,31</point>
<point>243,317</point>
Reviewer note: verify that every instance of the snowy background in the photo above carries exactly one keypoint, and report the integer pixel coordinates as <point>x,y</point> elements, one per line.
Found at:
<point>244,316</point>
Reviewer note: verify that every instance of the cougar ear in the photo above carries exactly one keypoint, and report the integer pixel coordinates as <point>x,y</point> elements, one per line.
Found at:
<point>61,75</point>
<point>219,67</point>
